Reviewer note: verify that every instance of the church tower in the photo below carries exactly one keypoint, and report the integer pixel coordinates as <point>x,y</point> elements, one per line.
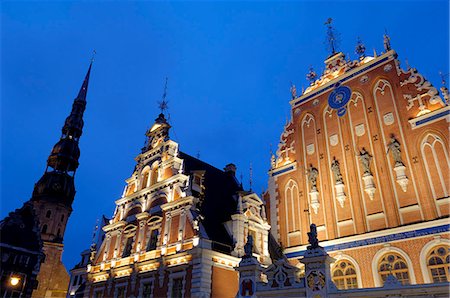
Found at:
<point>52,199</point>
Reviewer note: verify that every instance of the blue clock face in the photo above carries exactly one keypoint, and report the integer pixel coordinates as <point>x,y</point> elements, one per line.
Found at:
<point>339,98</point>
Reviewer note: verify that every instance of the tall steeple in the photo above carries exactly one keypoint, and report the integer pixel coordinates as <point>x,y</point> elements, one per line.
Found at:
<point>57,183</point>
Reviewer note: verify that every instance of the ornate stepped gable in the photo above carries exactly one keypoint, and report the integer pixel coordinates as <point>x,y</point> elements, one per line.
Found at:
<point>177,214</point>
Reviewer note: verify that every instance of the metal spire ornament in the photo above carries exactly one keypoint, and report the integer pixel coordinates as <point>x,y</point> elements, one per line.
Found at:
<point>164,103</point>
<point>332,39</point>
<point>360,49</point>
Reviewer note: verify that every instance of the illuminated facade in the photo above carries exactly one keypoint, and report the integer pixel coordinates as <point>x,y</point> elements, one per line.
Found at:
<point>178,230</point>
<point>365,157</point>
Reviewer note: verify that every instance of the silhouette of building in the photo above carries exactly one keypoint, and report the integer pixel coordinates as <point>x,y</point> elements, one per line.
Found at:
<point>32,237</point>
<point>365,157</point>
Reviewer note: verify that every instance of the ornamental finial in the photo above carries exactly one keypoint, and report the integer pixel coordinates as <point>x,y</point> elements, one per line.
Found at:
<point>360,48</point>
<point>332,39</point>
<point>311,76</point>
<point>164,104</point>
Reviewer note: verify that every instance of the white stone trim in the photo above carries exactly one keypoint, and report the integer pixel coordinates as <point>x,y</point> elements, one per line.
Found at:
<point>423,255</point>
<point>408,228</point>
<point>382,252</point>
<point>340,256</point>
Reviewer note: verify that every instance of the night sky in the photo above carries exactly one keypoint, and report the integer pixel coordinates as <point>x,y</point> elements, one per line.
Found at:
<point>229,66</point>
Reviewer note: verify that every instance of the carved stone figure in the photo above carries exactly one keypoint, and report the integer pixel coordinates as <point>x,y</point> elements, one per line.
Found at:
<point>336,171</point>
<point>387,42</point>
<point>312,177</point>
<point>293,92</point>
<point>394,147</point>
<point>248,247</point>
<point>312,237</point>
<point>365,158</point>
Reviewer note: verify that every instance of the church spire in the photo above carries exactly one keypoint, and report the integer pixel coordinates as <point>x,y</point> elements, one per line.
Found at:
<point>57,183</point>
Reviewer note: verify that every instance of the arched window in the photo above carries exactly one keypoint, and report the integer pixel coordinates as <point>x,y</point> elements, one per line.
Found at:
<point>145,175</point>
<point>438,263</point>
<point>344,275</point>
<point>292,206</point>
<point>48,214</point>
<point>62,217</point>
<point>395,264</point>
<point>44,229</point>
<point>59,232</point>
<point>154,175</point>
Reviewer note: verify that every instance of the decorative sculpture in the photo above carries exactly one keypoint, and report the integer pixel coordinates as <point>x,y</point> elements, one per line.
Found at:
<point>394,147</point>
<point>369,184</point>
<point>365,159</point>
<point>336,171</point>
<point>312,237</point>
<point>312,177</point>
<point>386,42</point>
<point>248,247</point>
<point>293,91</point>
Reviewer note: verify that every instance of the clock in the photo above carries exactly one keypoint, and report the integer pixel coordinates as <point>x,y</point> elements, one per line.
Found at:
<point>339,98</point>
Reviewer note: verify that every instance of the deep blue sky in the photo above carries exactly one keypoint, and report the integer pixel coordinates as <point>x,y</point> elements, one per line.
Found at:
<point>229,65</point>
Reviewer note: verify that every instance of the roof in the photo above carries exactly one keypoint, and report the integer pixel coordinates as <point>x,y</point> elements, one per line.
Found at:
<point>219,201</point>
<point>20,229</point>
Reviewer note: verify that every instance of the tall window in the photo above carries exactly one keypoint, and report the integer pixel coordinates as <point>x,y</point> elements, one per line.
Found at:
<point>344,275</point>
<point>395,264</point>
<point>147,290</point>
<point>154,175</point>
<point>153,240</point>
<point>177,288</point>
<point>292,206</point>
<point>48,214</point>
<point>127,248</point>
<point>438,263</point>
<point>44,229</point>
<point>145,175</point>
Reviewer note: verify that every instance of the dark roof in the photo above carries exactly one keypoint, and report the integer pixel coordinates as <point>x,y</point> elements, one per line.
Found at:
<point>219,202</point>
<point>21,229</point>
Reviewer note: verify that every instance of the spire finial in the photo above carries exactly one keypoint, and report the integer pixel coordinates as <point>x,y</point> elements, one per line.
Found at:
<point>164,103</point>
<point>332,37</point>
<point>360,48</point>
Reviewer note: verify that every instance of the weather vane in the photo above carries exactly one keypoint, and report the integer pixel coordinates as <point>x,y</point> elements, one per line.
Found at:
<point>332,37</point>
<point>164,104</point>
<point>360,48</point>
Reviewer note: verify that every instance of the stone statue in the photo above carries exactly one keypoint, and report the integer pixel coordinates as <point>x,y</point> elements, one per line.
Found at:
<point>387,42</point>
<point>365,158</point>
<point>293,91</point>
<point>312,177</point>
<point>394,147</point>
<point>248,247</point>
<point>312,237</point>
<point>272,161</point>
<point>336,171</point>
